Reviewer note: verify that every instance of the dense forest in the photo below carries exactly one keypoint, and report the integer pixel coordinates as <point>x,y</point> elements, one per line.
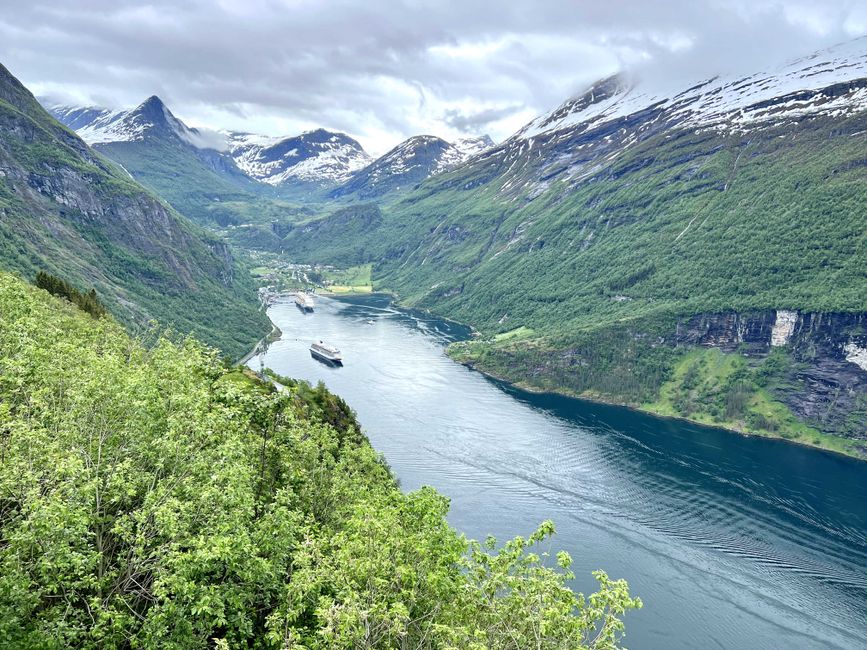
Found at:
<point>150,497</point>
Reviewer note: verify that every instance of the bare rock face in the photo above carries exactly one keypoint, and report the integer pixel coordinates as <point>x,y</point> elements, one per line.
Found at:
<point>751,332</point>
<point>828,381</point>
<point>784,327</point>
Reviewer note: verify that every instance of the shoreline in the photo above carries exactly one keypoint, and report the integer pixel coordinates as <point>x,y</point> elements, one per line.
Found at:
<point>270,337</point>
<point>528,388</point>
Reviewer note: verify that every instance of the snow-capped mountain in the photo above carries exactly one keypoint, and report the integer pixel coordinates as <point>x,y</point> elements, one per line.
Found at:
<point>818,84</point>
<point>314,160</point>
<point>320,157</point>
<point>592,129</point>
<point>473,146</point>
<point>150,118</point>
<point>409,163</point>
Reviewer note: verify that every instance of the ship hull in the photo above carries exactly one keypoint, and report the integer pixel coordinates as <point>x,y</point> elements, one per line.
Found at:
<point>304,308</point>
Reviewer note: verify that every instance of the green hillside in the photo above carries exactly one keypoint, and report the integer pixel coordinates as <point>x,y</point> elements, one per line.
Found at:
<point>178,173</point>
<point>603,268</point>
<point>66,210</point>
<point>150,498</point>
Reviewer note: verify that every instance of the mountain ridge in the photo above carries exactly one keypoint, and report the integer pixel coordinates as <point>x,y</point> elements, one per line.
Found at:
<point>579,247</point>
<point>308,162</point>
<point>67,210</point>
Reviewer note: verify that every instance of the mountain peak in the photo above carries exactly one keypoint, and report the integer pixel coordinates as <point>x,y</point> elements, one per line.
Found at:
<point>154,110</point>
<point>153,100</point>
<point>317,157</point>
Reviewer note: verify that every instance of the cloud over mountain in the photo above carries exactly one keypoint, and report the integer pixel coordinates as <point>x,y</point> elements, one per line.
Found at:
<point>382,71</point>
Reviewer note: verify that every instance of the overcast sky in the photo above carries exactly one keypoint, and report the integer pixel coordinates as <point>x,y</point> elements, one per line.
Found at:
<point>383,70</point>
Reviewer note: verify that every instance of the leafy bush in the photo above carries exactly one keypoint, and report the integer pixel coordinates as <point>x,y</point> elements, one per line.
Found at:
<point>151,498</point>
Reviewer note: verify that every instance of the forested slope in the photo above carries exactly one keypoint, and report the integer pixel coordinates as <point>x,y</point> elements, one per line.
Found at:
<point>150,498</point>
<point>66,210</point>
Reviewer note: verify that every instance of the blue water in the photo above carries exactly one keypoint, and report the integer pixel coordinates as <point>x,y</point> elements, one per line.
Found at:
<point>731,542</point>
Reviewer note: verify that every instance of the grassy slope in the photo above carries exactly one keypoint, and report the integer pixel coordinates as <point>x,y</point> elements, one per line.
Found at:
<point>215,198</point>
<point>715,388</point>
<point>173,171</point>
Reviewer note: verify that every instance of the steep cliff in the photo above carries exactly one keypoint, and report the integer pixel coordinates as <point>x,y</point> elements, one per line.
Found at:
<point>65,209</point>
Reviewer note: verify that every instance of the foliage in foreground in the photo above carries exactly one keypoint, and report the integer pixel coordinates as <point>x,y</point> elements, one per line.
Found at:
<point>151,498</point>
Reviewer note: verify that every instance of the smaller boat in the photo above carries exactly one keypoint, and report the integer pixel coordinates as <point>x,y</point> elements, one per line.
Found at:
<point>327,353</point>
<point>304,301</point>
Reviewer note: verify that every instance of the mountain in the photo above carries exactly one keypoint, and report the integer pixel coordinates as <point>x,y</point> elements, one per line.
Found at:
<point>613,247</point>
<point>190,168</point>
<point>226,178</point>
<point>67,210</point>
<point>149,120</point>
<point>404,167</point>
<point>473,146</point>
<point>317,158</point>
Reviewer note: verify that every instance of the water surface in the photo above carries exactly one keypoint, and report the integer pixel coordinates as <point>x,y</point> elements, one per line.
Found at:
<point>732,542</point>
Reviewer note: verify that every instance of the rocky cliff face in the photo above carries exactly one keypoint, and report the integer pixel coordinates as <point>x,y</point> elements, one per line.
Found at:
<point>67,210</point>
<point>828,380</point>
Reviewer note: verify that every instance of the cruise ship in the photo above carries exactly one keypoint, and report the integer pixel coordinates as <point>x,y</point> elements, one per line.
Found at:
<point>304,301</point>
<point>327,353</point>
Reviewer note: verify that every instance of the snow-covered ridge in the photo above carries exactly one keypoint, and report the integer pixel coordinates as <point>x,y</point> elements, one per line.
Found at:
<point>97,125</point>
<point>318,156</point>
<point>790,91</point>
<point>473,146</point>
<point>431,152</point>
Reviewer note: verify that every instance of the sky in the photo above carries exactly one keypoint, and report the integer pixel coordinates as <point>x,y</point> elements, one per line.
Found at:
<point>384,70</point>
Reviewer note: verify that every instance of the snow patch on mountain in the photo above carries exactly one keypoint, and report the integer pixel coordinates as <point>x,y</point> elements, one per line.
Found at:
<point>789,92</point>
<point>585,134</point>
<point>318,156</point>
<point>473,146</point>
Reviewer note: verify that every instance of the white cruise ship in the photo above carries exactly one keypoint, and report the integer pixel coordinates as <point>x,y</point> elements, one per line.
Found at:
<point>327,353</point>
<point>304,301</point>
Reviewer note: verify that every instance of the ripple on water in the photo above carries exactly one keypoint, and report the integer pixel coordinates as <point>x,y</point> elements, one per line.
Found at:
<point>699,521</point>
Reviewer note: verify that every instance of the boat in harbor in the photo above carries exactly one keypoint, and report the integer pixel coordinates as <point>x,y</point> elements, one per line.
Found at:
<point>327,353</point>
<point>304,301</point>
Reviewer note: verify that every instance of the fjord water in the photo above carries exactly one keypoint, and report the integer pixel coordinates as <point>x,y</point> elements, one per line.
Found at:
<point>731,542</point>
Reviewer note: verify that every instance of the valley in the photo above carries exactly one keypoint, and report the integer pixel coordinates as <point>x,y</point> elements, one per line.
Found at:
<point>598,233</point>
<point>279,342</point>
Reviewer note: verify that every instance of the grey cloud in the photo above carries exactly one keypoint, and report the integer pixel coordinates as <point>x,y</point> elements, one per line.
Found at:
<point>477,122</point>
<point>387,69</point>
